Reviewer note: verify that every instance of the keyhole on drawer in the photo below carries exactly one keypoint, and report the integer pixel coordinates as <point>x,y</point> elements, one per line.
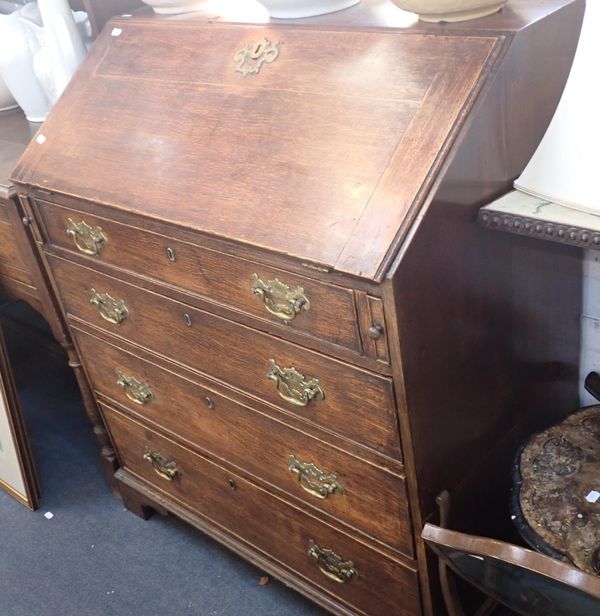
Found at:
<point>188,319</point>
<point>231,483</point>
<point>209,402</point>
<point>170,254</point>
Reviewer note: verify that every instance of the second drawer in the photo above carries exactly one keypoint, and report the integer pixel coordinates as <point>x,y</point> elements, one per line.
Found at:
<point>366,497</point>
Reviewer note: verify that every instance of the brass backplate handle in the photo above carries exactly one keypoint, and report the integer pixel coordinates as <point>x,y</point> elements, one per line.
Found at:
<point>293,386</point>
<point>137,391</point>
<point>250,59</point>
<point>331,564</point>
<point>89,240</point>
<point>164,468</point>
<point>111,309</point>
<point>312,479</point>
<point>279,299</point>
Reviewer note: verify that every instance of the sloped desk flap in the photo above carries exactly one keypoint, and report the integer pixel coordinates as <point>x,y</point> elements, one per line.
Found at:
<point>319,155</point>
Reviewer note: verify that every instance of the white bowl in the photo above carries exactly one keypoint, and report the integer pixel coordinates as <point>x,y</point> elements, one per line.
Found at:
<point>290,9</point>
<point>450,10</point>
<point>173,7</point>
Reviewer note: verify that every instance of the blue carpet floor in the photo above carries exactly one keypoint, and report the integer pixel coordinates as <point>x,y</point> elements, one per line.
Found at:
<point>93,558</point>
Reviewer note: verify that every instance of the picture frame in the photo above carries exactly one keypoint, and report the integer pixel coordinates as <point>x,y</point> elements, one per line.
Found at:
<point>18,475</point>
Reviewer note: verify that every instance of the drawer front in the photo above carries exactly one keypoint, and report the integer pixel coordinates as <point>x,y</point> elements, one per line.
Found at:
<point>320,310</point>
<point>337,396</point>
<point>360,494</point>
<point>373,583</point>
<point>9,249</point>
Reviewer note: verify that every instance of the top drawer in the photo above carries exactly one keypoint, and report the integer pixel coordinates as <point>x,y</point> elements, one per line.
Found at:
<point>318,309</point>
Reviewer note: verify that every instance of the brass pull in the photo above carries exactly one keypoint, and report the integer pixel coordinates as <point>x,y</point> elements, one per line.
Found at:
<point>135,390</point>
<point>111,309</point>
<point>331,564</point>
<point>375,331</point>
<point>279,299</point>
<point>312,479</point>
<point>293,386</point>
<point>167,469</point>
<point>89,240</point>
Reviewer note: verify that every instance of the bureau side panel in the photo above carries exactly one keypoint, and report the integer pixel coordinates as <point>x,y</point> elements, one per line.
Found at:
<point>488,326</point>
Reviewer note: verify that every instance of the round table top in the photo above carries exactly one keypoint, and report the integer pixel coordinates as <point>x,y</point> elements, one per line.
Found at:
<point>557,490</point>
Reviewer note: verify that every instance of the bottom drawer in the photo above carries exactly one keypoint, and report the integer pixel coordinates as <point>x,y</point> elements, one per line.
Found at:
<point>353,573</point>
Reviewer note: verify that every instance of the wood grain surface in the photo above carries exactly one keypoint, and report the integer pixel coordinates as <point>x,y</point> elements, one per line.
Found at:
<point>383,586</point>
<point>363,104</point>
<point>357,403</point>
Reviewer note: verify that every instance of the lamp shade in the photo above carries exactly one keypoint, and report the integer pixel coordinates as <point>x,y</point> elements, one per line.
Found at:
<point>566,165</point>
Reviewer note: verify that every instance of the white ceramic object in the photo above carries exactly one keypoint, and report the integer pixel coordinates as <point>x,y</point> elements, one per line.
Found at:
<point>565,165</point>
<point>291,9</point>
<point>7,100</point>
<point>17,49</point>
<point>173,7</point>
<point>63,41</point>
<point>450,10</point>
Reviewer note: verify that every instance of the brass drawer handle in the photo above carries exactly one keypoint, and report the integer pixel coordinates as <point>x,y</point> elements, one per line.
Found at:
<point>331,564</point>
<point>312,479</point>
<point>279,299</point>
<point>135,390</point>
<point>166,469</point>
<point>111,309</point>
<point>89,240</point>
<point>293,386</point>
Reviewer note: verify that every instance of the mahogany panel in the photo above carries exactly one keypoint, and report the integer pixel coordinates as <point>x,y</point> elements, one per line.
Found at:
<point>382,587</point>
<point>370,498</point>
<point>357,404</point>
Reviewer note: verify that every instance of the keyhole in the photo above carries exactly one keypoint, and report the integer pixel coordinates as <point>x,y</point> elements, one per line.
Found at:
<point>209,402</point>
<point>231,483</point>
<point>188,319</point>
<point>170,254</point>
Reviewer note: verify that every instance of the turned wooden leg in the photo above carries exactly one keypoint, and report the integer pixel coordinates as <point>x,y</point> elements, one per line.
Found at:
<point>107,453</point>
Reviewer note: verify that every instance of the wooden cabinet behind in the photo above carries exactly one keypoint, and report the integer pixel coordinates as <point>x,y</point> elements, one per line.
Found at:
<point>16,278</point>
<point>273,275</point>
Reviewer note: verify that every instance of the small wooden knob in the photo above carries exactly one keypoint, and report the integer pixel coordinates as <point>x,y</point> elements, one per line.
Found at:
<point>374,332</point>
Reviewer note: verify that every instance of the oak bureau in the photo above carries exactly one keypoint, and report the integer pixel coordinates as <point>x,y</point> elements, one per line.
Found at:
<point>263,238</point>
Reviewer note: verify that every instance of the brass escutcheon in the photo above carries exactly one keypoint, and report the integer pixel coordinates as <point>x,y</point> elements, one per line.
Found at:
<point>250,59</point>
<point>166,469</point>
<point>135,390</point>
<point>89,240</point>
<point>331,564</point>
<point>312,479</point>
<point>279,299</point>
<point>293,386</point>
<point>110,309</point>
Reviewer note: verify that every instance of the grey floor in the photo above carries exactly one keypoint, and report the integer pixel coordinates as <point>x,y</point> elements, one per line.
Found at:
<point>93,557</point>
